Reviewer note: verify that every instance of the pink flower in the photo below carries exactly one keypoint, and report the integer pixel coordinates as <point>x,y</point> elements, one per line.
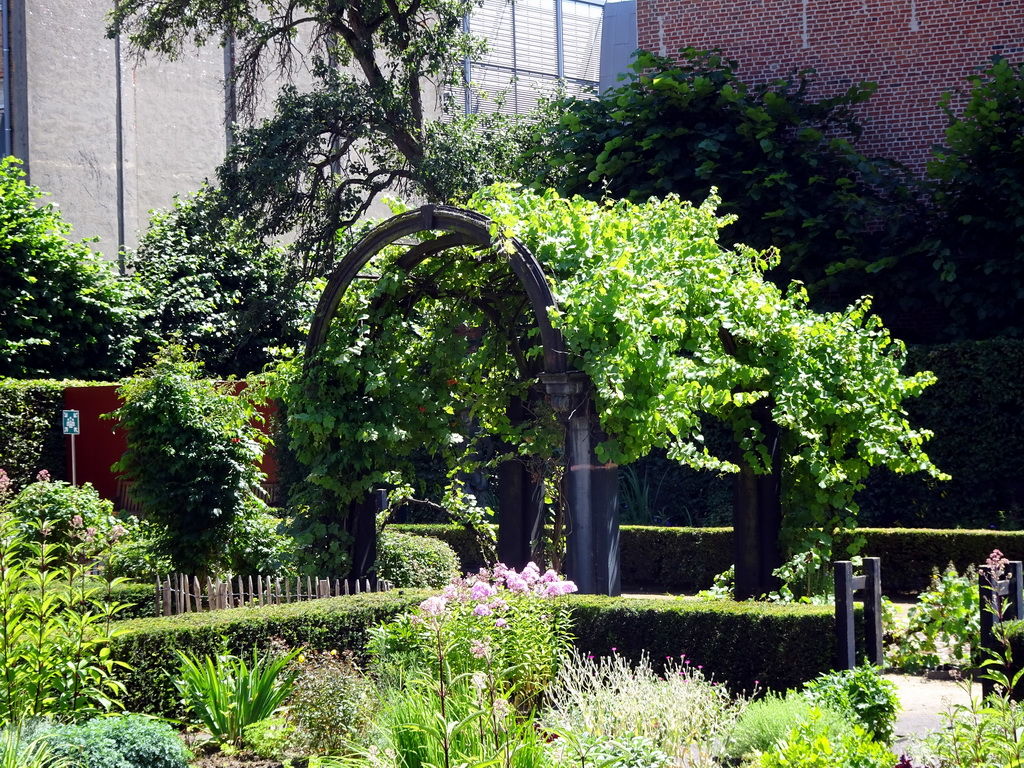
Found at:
<point>500,623</point>
<point>483,609</point>
<point>76,521</point>
<point>478,649</point>
<point>434,606</point>
<point>43,476</point>
<point>117,532</point>
<point>482,590</point>
<point>516,583</point>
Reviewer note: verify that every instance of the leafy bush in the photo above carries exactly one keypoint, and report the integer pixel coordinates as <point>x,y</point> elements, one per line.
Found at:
<point>226,694</point>
<point>681,714</point>
<point>124,741</point>
<point>208,283</point>
<point>331,702</point>
<point>67,511</point>
<point>24,745</point>
<point>943,627</point>
<point>269,738</point>
<point>462,541</point>
<point>766,722</point>
<point>987,732</point>
<point>63,312</point>
<point>744,646</point>
<point>862,694</point>
<point>192,457</point>
<point>30,432</point>
<point>814,743</point>
<point>415,561</point>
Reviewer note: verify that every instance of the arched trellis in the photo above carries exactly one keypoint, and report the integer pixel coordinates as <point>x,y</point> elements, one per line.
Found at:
<point>592,530</point>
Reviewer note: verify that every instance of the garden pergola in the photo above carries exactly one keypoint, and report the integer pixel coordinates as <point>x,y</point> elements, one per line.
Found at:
<point>590,486</point>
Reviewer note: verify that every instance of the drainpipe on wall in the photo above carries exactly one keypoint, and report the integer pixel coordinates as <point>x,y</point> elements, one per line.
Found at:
<point>5,34</point>
<point>119,149</point>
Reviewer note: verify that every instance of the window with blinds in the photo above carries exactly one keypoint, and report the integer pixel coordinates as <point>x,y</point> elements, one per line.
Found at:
<point>534,48</point>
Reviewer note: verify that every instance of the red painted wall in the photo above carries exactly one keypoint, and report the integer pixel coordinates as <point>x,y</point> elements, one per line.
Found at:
<point>914,49</point>
<point>101,443</point>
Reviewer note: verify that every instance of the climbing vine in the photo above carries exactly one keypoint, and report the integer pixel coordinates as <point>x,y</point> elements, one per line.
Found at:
<point>669,325</point>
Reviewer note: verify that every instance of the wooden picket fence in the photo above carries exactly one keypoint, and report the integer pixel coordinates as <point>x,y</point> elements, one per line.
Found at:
<point>186,594</point>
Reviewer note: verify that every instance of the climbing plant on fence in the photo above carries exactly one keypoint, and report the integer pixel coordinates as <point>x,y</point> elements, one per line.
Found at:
<point>668,325</point>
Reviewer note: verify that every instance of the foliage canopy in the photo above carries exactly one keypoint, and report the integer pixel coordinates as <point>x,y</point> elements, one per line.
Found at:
<point>63,312</point>
<point>669,325</point>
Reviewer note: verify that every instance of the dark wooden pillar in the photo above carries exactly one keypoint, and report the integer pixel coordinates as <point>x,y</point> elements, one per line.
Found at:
<point>520,505</point>
<point>757,513</point>
<point>362,527</point>
<point>590,488</point>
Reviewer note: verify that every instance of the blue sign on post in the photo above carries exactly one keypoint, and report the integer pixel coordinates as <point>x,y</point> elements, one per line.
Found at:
<point>71,423</point>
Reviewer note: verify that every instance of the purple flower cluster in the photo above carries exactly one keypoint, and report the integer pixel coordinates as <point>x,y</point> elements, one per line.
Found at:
<point>488,589</point>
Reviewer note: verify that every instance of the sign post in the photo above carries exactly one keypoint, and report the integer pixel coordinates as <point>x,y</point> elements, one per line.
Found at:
<point>72,426</point>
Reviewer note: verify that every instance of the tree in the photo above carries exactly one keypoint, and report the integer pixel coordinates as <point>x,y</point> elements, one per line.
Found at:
<point>979,194</point>
<point>192,454</point>
<point>364,127</point>
<point>209,285</point>
<point>63,311</point>
<point>783,163</point>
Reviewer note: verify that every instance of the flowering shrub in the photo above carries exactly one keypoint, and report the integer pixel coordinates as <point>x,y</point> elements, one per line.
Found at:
<point>70,512</point>
<point>501,622</point>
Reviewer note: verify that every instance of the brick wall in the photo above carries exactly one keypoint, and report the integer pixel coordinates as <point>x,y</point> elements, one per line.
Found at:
<point>914,49</point>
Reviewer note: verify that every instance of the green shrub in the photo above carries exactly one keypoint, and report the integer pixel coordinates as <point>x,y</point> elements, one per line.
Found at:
<point>943,627</point>
<point>405,560</point>
<point>861,694</point>
<point>31,439</point>
<point>766,722</point>
<point>68,511</point>
<point>462,541</point>
<point>269,738</point>
<point>225,693</point>
<point>123,741</point>
<point>149,646</point>
<point>63,311</point>
<point>332,701</point>
<point>741,645</point>
<point>814,743</point>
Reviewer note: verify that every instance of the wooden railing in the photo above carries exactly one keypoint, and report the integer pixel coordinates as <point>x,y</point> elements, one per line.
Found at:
<point>188,594</point>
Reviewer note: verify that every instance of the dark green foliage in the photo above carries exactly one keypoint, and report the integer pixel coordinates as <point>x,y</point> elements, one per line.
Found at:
<point>980,196</point>
<point>405,560</point>
<point>121,741</point>
<point>63,311</point>
<point>974,411</point>
<point>138,600</point>
<point>862,695</point>
<point>743,645</point>
<point>30,432</point>
<point>192,454</point>
<point>780,160</point>
<point>149,645</point>
<point>462,540</point>
<point>674,559</point>
<point>211,285</point>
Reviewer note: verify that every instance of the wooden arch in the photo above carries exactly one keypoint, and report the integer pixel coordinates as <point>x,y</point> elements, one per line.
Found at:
<point>592,527</point>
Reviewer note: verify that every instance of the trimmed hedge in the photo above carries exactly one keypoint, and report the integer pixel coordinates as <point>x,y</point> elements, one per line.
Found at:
<point>742,644</point>
<point>686,560</point>
<point>974,410</point>
<point>148,645</point>
<point>31,438</point>
<point>462,540</point>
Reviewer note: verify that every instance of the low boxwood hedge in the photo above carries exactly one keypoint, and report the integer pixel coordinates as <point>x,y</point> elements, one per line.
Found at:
<point>148,646</point>
<point>686,560</point>
<point>741,644</point>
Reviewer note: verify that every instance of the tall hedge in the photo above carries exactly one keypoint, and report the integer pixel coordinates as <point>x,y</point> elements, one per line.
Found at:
<point>30,431</point>
<point>975,410</point>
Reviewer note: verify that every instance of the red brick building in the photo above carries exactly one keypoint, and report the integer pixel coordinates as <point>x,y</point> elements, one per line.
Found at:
<point>914,49</point>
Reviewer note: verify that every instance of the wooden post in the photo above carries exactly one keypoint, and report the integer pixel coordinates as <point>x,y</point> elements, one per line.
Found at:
<point>845,649</point>
<point>846,584</point>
